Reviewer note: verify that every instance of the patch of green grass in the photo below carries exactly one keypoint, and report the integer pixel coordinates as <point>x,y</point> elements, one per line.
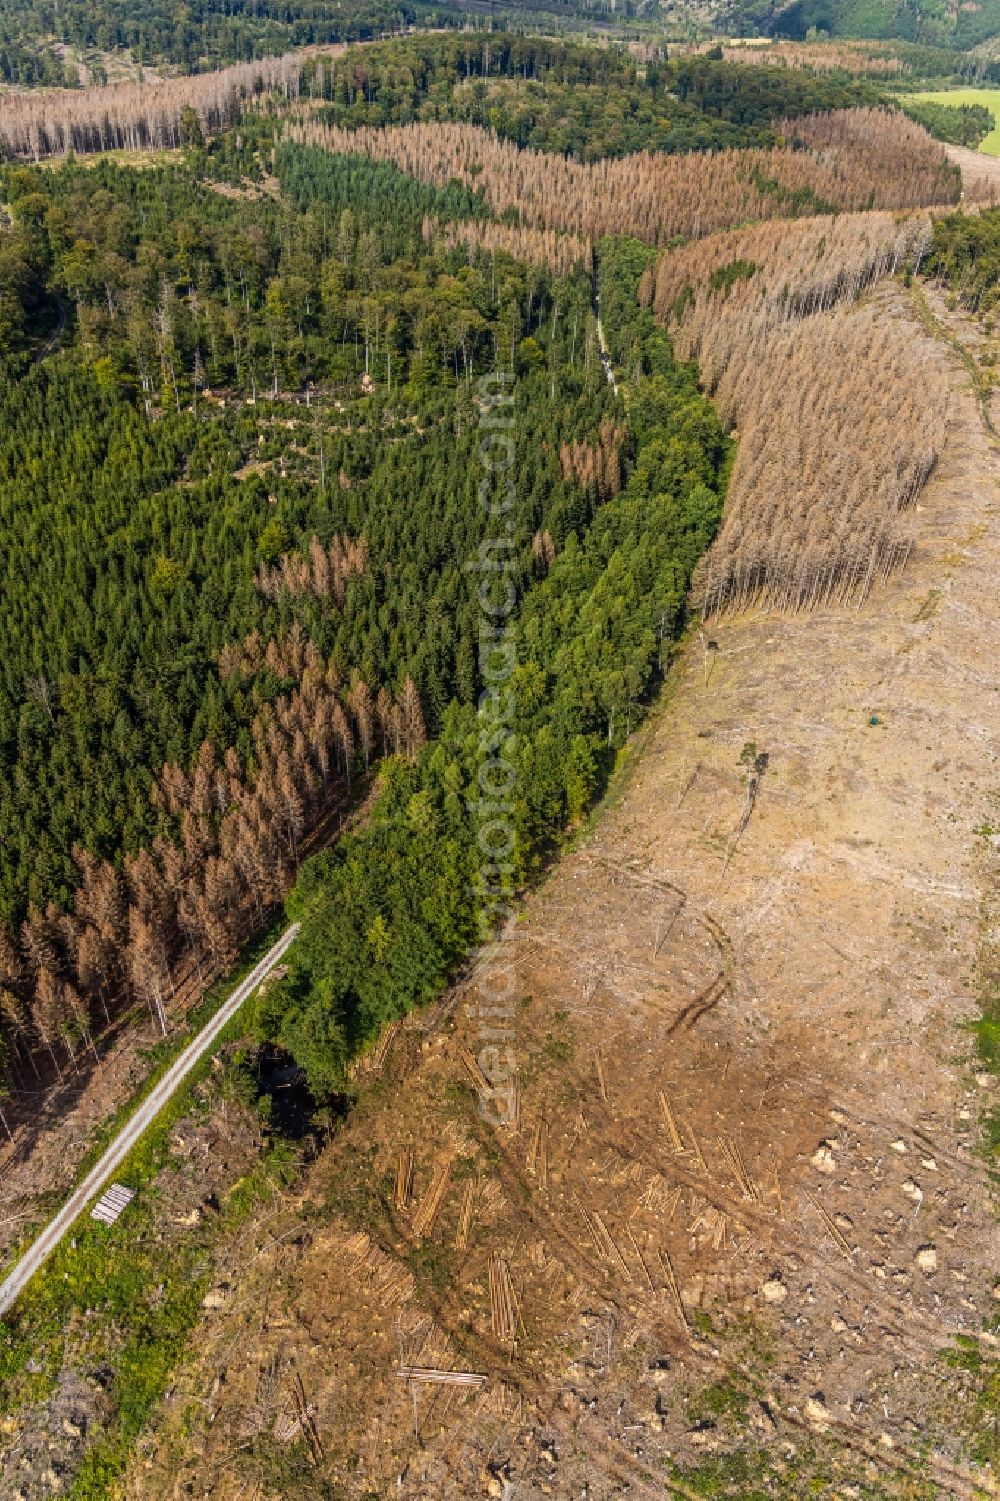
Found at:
<point>286,1469</point>
<point>432,1264</point>
<point>988,98</point>
<point>750,1474</point>
<point>726,1400</point>
<point>557,1049</point>
<point>965,1355</point>
<point>975,1407</point>
<point>142,161</point>
<point>356,1196</point>
<point>986,1030</point>
<point>929,607</point>
<point>702,1322</point>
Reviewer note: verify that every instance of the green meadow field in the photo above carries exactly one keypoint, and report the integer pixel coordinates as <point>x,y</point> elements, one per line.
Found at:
<point>990,98</point>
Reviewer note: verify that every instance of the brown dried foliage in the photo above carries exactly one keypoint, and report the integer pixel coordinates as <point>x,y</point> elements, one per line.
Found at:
<point>840,414</point>
<point>139,116</point>
<point>841,422</point>
<point>561,253</point>
<point>595,466</point>
<point>858,58</point>
<point>323,573</point>
<point>544,551</point>
<point>176,914</point>
<point>849,159</point>
<point>805,267</point>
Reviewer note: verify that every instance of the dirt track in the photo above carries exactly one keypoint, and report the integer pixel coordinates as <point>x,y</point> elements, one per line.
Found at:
<point>810,1182</point>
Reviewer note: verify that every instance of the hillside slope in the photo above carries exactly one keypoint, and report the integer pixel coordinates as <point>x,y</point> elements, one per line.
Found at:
<point>744,1212</point>
<point>980,173</point>
<point>908,20</point>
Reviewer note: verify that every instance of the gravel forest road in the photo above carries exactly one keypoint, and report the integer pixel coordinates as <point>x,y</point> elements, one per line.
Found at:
<point>99,1176</point>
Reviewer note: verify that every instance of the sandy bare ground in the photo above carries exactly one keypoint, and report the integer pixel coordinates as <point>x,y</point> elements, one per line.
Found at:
<point>745,1208</point>
<point>980,173</point>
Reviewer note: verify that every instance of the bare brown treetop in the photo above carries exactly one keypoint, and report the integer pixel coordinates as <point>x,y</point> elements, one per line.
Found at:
<point>791,269</point>
<point>540,247</point>
<point>177,913</point>
<point>849,159</point>
<point>840,413</point>
<point>139,116</point>
<point>324,572</point>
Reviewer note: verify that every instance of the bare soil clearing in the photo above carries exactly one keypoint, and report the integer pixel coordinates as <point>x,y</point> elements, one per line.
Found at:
<point>744,1211</point>
<point>980,173</point>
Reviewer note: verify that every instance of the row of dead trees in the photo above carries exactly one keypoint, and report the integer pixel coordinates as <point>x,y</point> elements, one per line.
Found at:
<point>562,253</point>
<point>324,571</point>
<point>841,410</point>
<point>145,116</point>
<point>595,466</point>
<point>173,916</point>
<point>847,159</point>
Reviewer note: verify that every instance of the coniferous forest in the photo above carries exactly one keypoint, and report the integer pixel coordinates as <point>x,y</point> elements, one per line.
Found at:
<point>240,477</point>
<point>240,407</point>
<point>394,413</point>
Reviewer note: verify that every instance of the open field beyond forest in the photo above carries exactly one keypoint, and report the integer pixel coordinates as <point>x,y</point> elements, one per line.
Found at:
<point>743,1218</point>
<point>988,98</point>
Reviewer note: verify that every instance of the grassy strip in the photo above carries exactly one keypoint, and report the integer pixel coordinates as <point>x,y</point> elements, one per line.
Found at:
<point>981,383</point>
<point>986,1029</point>
<point>974,1408</point>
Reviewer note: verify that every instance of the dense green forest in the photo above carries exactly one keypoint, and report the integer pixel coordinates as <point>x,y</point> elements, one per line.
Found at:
<point>965,255</point>
<point>962,125</point>
<point>910,20</point>
<point>581,100</point>
<point>72,42</point>
<point>132,545</point>
<point>389,910</point>
<point>188,37</point>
